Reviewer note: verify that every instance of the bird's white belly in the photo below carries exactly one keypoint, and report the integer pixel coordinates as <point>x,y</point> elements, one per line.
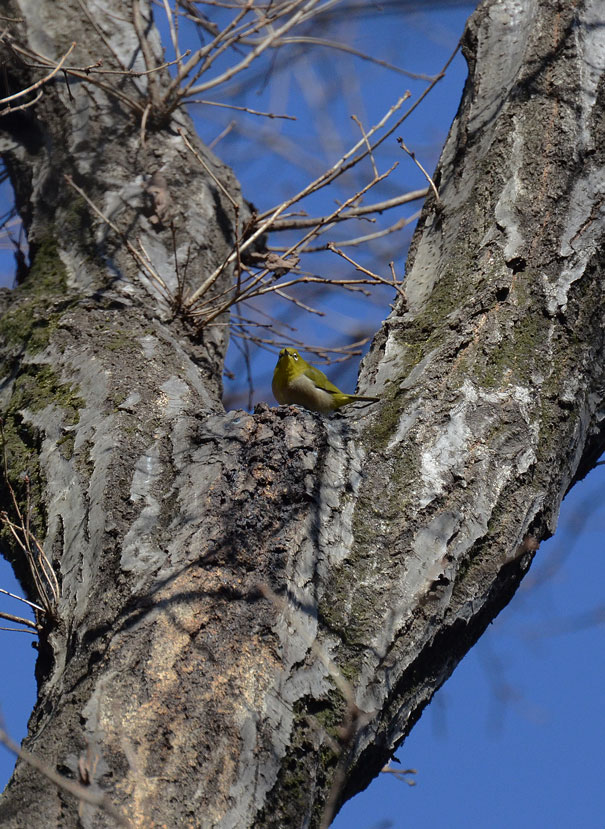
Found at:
<point>303,391</point>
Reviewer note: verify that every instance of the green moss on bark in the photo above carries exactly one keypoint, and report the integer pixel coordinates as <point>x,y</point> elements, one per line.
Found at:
<point>38,304</point>
<point>517,356</point>
<point>47,274</point>
<point>38,386</point>
<point>35,388</point>
<point>304,764</point>
<point>23,474</point>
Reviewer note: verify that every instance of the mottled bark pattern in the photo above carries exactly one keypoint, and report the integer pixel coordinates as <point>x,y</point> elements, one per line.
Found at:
<point>228,578</point>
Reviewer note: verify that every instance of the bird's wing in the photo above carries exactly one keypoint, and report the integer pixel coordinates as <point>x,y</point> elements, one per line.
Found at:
<point>320,380</point>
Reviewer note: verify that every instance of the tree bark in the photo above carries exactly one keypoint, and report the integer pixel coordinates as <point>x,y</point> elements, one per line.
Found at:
<point>255,608</point>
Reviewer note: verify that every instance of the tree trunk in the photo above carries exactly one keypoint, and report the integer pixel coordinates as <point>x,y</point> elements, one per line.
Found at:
<point>255,608</point>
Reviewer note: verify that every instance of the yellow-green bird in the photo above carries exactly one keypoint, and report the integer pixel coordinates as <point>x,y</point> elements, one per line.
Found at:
<point>297,381</point>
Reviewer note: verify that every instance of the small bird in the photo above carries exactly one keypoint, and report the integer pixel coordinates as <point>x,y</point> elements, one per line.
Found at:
<point>297,381</point>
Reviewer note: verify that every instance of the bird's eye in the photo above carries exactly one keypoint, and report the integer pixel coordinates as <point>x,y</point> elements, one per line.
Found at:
<point>295,356</point>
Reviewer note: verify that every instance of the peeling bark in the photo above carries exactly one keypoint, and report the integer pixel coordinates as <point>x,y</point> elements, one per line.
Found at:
<point>225,577</point>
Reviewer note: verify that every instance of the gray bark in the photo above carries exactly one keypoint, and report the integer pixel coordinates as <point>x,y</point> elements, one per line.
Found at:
<point>228,580</point>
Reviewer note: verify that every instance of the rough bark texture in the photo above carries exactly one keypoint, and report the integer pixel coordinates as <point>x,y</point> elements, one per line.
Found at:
<point>215,567</point>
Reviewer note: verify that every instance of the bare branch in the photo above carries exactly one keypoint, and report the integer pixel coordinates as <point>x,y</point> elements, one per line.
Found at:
<point>171,18</point>
<point>140,258</point>
<point>268,217</point>
<point>344,47</point>
<point>148,57</point>
<point>392,283</point>
<point>31,103</point>
<point>20,620</point>
<point>353,212</point>
<point>242,109</point>
<point>221,135</point>
<point>367,237</point>
<point>203,164</point>
<point>400,774</point>
<point>39,83</point>
<point>83,793</point>
<point>82,74</point>
<point>21,599</point>
<point>256,52</point>
<point>412,155</point>
<point>367,143</point>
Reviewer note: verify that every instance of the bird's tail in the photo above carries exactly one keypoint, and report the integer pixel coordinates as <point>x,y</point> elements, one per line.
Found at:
<point>363,398</point>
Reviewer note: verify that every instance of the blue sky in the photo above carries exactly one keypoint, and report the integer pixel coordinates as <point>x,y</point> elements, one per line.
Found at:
<point>514,738</point>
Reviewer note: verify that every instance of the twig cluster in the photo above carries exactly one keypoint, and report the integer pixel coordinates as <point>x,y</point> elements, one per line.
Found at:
<point>278,269</point>
<point>246,31</point>
<point>251,29</point>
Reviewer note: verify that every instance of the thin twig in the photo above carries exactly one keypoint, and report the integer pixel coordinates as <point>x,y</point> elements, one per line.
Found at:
<point>241,109</point>
<point>148,56</point>
<point>83,75</point>
<point>221,135</point>
<point>148,109</point>
<point>21,599</point>
<point>203,164</point>
<point>374,276</point>
<point>400,774</point>
<point>255,53</point>
<point>353,212</point>
<point>20,620</point>
<point>82,793</point>
<point>144,263</point>
<point>170,17</point>
<point>365,137</point>
<point>367,237</point>
<point>344,47</point>
<point>31,103</point>
<point>412,155</point>
<point>23,540</point>
<point>42,81</point>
